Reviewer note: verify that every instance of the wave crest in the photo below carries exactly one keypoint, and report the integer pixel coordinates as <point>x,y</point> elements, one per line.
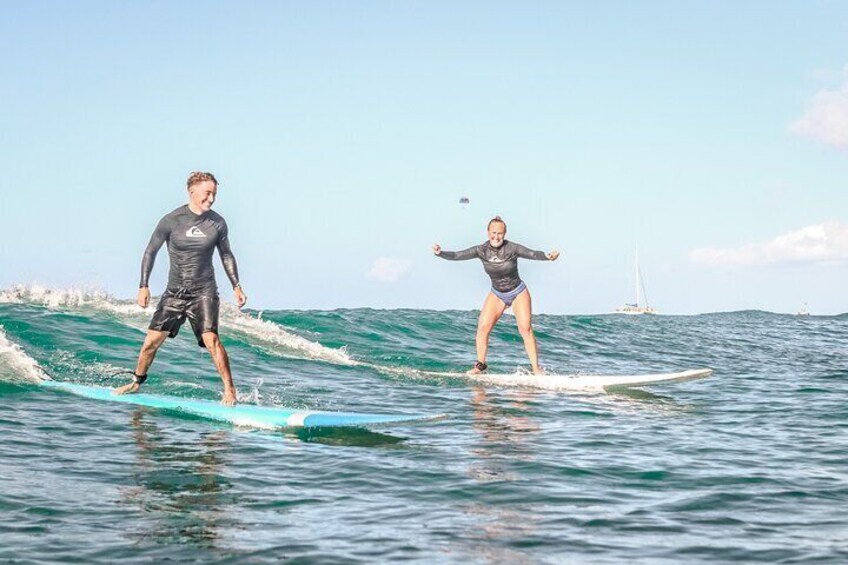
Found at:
<point>264,334</point>
<point>16,365</point>
<point>271,336</point>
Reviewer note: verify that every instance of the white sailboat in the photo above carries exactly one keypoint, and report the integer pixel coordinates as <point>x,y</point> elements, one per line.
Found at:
<point>641,305</point>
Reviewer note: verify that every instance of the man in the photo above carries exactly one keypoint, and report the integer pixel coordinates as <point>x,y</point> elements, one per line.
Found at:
<point>193,232</point>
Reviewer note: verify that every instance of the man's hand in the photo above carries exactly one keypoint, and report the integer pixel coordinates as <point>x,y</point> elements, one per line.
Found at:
<point>241,297</point>
<point>143,297</point>
<point>437,249</point>
<point>553,255</point>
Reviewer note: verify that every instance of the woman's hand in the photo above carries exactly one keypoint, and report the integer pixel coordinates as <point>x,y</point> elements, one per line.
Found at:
<point>437,249</point>
<point>553,255</point>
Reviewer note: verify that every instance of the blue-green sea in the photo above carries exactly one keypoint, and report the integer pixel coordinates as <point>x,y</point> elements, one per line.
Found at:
<point>750,465</point>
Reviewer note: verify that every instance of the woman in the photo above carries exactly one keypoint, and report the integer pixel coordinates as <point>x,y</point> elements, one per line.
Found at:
<point>500,261</point>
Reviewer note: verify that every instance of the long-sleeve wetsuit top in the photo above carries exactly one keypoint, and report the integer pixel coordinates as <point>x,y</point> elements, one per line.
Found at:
<point>191,241</point>
<point>500,263</point>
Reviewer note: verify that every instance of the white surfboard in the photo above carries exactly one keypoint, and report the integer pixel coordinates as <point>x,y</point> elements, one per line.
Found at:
<point>580,382</point>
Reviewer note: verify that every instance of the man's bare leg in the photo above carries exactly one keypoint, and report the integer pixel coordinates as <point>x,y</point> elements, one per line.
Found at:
<point>222,363</point>
<point>148,351</point>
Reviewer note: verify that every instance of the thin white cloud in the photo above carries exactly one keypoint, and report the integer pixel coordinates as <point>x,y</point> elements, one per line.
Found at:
<point>826,117</point>
<point>820,243</point>
<point>388,270</point>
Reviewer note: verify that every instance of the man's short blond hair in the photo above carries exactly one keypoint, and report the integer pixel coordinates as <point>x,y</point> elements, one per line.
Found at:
<point>198,177</point>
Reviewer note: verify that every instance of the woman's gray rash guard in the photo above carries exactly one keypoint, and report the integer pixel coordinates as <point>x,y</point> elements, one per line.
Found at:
<point>500,263</point>
<point>191,241</point>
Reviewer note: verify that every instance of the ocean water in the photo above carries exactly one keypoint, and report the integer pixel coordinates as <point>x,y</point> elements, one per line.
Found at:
<point>749,465</point>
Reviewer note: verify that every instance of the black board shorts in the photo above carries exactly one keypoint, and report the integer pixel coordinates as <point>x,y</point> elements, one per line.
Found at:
<point>174,307</point>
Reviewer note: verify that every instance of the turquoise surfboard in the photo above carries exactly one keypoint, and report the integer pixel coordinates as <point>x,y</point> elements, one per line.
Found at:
<point>241,414</point>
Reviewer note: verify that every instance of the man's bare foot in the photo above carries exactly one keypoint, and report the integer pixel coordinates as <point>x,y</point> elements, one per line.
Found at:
<point>538,371</point>
<point>478,369</point>
<point>229,398</point>
<point>126,389</point>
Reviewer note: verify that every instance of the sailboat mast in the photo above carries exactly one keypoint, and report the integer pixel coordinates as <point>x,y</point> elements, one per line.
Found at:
<point>638,281</point>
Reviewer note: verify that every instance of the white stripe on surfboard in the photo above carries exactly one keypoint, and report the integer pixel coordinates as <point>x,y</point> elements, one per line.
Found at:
<point>298,419</point>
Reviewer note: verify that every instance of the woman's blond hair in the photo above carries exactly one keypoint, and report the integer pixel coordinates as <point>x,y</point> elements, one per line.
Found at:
<point>496,219</point>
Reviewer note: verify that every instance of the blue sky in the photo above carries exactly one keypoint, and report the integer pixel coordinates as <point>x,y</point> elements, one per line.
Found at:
<point>713,136</point>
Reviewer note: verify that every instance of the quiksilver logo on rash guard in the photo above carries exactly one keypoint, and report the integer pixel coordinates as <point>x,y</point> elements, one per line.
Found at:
<point>194,231</point>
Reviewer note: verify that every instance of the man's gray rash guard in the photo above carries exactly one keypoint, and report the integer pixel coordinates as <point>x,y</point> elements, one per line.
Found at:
<point>500,263</point>
<point>191,241</point>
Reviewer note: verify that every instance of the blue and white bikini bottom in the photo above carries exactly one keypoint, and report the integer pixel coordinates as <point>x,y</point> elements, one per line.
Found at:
<point>509,297</point>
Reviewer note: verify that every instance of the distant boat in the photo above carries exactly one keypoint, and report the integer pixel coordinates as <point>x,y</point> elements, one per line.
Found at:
<point>641,305</point>
<point>803,311</point>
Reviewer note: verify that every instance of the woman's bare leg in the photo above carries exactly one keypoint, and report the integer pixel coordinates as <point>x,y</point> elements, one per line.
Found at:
<point>493,309</point>
<point>522,307</point>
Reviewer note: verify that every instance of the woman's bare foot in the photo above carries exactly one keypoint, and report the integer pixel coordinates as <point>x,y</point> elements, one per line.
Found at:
<point>478,368</point>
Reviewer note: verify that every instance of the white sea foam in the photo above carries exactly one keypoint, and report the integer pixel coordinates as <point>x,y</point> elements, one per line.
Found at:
<point>89,372</point>
<point>15,364</point>
<point>276,340</point>
<point>264,334</point>
<point>254,396</point>
<point>71,298</point>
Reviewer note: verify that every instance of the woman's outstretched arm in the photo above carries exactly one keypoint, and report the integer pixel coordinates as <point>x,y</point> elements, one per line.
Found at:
<point>526,253</point>
<point>464,255</point>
